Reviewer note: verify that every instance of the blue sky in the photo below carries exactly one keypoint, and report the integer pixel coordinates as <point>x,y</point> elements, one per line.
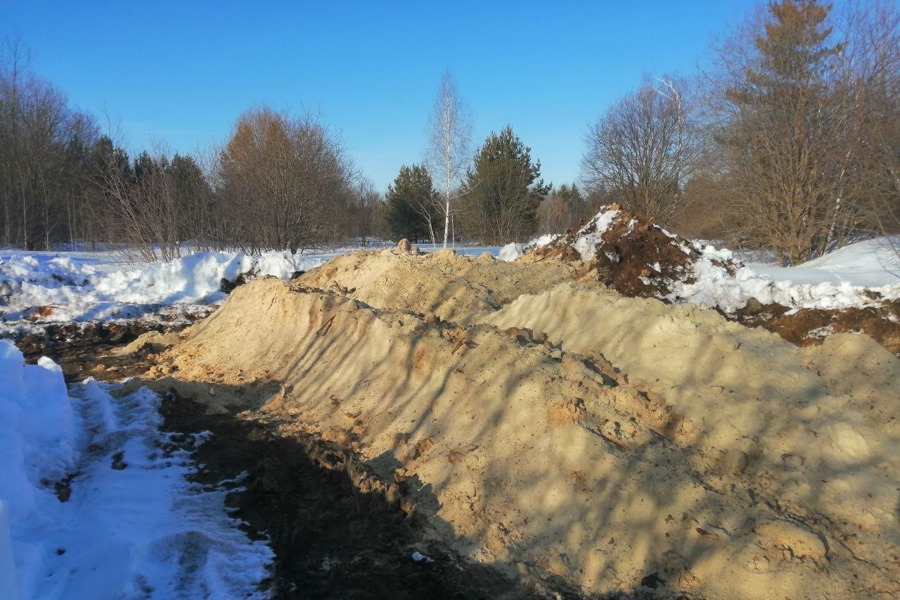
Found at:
<point>182,72</point>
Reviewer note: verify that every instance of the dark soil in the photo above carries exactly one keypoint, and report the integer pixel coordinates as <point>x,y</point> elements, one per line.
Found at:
<point>633,249</point>
<point>807,327</point>
<point>82,349</point>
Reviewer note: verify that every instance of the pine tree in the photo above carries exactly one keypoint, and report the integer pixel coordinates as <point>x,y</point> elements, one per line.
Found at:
<point>502,190</point>
<point>412,205</point>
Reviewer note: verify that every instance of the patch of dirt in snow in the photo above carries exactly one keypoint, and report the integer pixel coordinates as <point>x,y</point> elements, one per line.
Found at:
<point>807,326</point>
<point>531,420</point>
<point>86,349</point>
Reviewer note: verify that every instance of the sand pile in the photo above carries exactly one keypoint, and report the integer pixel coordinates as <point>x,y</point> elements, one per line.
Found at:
<point>452,287</point>
<point>533,419</point>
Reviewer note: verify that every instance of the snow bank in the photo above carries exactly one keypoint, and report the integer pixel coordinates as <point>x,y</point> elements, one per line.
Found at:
<point>845,278</point>
<point>37,428</point>
<point>89,287</point>
<point>98,504</point>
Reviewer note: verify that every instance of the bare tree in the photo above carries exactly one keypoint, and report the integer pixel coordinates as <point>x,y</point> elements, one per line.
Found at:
<point>561,209</point>
<point>285,181</point>
<point>143,204</point>
<point>644,149</point>
<point>870,80</point>
<point>803,122</point>
<point>42,142</point>
<point>449,131</point>
<point>365,212</point>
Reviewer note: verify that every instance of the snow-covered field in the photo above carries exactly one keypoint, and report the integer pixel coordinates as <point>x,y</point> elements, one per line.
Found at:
<point>95,502</point>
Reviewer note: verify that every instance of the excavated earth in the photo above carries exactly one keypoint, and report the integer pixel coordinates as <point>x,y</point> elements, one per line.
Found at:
<point>637,258</point>
<point>537,429</point>
<point>540,435</point>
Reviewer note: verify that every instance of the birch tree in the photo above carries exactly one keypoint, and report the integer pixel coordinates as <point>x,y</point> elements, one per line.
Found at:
<point>449,129</point>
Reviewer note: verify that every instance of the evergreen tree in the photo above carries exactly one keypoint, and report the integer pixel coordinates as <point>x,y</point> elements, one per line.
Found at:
<point>412,205</point>
<point>502,190</point>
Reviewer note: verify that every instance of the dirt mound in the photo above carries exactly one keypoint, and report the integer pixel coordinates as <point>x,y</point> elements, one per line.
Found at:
<point>629,253</point>
<point>556,430</point>
<point>637,258</point>
<point>807,327</point>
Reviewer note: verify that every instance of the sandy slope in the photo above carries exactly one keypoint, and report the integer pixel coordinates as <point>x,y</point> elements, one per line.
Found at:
<point>634,443</point>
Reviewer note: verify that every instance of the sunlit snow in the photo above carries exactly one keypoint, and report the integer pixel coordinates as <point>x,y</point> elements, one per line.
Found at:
<point>96,501</point>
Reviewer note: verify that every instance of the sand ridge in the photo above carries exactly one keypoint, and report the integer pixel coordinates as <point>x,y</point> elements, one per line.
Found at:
<point>537,420</point>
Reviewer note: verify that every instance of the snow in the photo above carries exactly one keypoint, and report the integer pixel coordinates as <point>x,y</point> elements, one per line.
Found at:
<point>133,525</point>
<point>590,235</point>
<point>511,252</point>
<point>84,287</point>
<point>845,278</point>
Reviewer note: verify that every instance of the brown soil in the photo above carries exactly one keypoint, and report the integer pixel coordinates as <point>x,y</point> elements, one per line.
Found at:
<point>807,327</point>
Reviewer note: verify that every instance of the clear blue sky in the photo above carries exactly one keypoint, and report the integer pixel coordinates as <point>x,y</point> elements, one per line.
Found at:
<point>182,72</point>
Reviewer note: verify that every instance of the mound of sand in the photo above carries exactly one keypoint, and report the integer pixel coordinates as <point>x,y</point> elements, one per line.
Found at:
<point>534,419</point>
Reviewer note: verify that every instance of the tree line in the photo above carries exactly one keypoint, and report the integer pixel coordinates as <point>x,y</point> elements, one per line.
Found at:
<point>789,140</point>
<point>280,182</point>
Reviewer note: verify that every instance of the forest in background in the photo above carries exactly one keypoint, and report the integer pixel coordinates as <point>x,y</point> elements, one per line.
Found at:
<point>788,140</point>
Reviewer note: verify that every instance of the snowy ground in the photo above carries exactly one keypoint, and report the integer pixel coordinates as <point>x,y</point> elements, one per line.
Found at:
<point>100,286</point>
<point>95,501</point>
<point>132,525</point>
